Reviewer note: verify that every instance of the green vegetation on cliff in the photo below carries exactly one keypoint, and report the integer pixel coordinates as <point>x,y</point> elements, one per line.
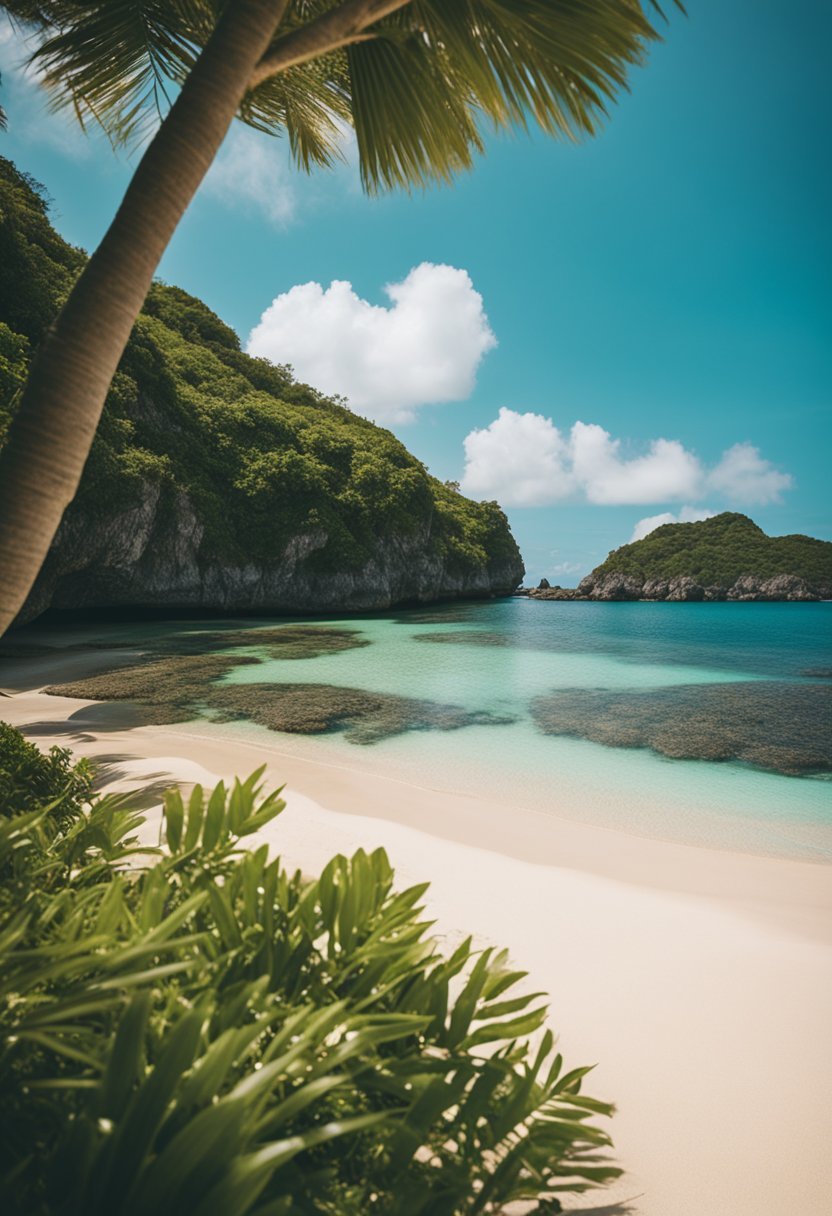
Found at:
<point>260,457</point>
<point>718,551</point>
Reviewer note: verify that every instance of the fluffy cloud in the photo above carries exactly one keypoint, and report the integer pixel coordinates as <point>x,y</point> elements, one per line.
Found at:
<point>424,348</point>
<point>520,459</point>
<point>523,460</point>
<point>687,515</point>
<point>251,173</point>
<point>744,477</point>
<point>667,471</point>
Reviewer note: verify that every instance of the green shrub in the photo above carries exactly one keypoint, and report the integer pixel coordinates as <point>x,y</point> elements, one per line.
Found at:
<point>30,779</point>
<point>204,1032</point>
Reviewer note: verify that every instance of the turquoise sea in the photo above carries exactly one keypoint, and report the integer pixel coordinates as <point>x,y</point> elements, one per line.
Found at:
<point>707,723</point>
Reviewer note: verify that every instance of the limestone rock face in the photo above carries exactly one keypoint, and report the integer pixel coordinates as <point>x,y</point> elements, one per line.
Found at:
<point>684,588</point>
<point>150,556</point>
<point>551,593</point>
<point>611,587</point>
<point>655,589</point>
<point>779,587</point>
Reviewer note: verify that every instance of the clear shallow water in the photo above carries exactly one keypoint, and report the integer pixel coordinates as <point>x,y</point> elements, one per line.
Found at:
<point>503,657</point>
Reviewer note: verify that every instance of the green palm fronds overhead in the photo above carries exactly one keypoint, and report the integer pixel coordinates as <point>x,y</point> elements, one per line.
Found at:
<point>420,85</point>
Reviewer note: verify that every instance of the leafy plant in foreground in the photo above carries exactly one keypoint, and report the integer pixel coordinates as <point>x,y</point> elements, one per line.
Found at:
<point>30,778</point>
<point>204,1031</point>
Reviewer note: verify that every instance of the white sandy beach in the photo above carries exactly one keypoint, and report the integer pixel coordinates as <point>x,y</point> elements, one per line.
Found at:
<point>699,980</point>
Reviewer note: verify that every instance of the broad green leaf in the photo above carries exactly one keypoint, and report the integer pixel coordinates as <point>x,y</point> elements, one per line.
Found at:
<point>174,818</point>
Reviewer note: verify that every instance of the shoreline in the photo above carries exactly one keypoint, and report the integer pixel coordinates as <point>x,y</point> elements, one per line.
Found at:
<point>797,891</point>
<point>700,979</point>
<point>570,595</point>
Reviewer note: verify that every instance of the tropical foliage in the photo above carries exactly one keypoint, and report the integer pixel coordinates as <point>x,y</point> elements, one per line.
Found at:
<point>260,456</point>
<point>418,79</point>
<point>30,778</point>
<point>194,1028</point>
<point>717,551</point>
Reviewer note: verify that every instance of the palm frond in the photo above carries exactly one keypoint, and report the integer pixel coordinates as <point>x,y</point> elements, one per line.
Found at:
<point>554,63</point>
<point>117,61</point>
<point>420,91</point>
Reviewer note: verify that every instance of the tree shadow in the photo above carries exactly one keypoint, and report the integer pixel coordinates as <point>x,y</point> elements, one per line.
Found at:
<point>623,1207</point>
<point>103,717</point>
<point>22,672</point>
<point>151,787</point>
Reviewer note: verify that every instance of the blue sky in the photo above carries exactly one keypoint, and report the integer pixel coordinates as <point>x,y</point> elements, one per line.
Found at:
<point>665,281</point>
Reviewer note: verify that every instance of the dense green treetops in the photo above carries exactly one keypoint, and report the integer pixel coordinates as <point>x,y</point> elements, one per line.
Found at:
<point>718,551</point>
<point>260,456</point>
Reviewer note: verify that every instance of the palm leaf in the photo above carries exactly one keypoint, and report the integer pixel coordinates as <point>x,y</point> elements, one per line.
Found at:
<point>419,89</point>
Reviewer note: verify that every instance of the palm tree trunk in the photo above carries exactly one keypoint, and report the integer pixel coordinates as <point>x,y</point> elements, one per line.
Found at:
<point>50,438</point>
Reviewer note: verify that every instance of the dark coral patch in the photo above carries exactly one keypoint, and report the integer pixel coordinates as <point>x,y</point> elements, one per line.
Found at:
<point>774,725</point>
<point>276,642</point>
<point>180,688</point>
<point>166,690</point>
<point>468,637</point>
<point>176,681</point>
<point>279,642</point>
<point>460,614</point>
<point>363,717</point>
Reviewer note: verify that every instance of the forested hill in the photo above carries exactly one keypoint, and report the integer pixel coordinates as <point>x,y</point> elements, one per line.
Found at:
<point>727,556</point>
<point>218,481</point>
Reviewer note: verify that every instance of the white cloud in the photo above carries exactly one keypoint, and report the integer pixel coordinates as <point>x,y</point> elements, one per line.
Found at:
<point>745,477</point>
<point>520,459</point>
<point>687,515</point>
<point>425,347</point>
<point>251,173</point>
<point>667,471</point>
<point>523,460</point>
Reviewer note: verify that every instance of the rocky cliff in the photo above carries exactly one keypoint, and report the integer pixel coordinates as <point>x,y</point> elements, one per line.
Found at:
<point>727,557</point>
<point>613,586</point>
<point>216,481</point>
<point>152,555</point>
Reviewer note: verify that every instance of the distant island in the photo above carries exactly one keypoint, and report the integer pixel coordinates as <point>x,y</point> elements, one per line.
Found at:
<point>727,557</point>
<point>216,481</point>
